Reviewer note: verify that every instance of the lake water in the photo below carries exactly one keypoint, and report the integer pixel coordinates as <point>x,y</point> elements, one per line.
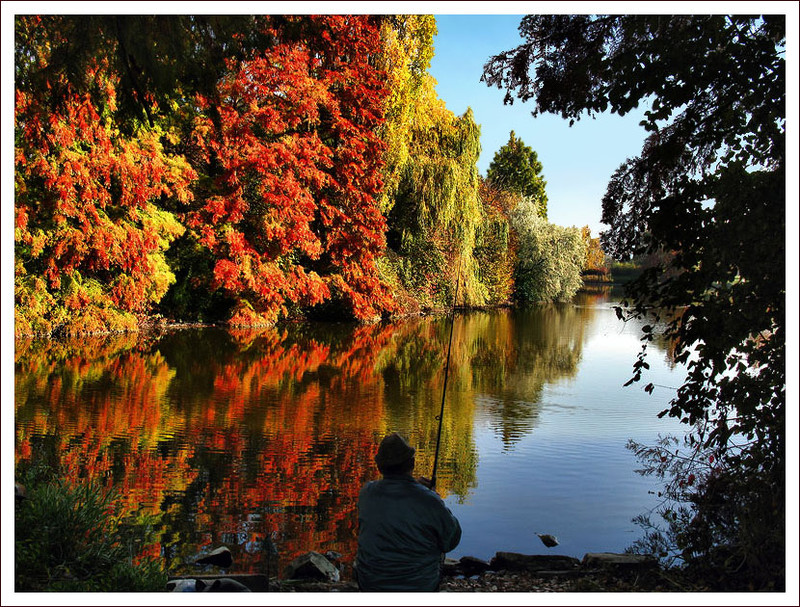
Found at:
<point>233,437</point>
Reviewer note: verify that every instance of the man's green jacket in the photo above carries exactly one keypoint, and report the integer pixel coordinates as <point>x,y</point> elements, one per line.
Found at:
<point>404,529</point>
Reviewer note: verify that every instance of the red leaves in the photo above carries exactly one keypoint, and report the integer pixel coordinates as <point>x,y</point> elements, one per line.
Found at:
<point>226,273</point>
<point>295,193</point>
<point>284,159</point>
<point>85,199</point>
<point>20,217</point>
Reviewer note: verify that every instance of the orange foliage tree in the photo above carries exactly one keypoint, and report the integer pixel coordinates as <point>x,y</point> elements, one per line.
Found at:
<point>259,134</point>
<point>90,230</point>
<point>596,265</point>
<point>289,144</point>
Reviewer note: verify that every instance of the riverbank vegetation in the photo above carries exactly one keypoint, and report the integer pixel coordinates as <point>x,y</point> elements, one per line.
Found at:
<point>71,538</point>
<point>251,169</point>
<point>707,190</point>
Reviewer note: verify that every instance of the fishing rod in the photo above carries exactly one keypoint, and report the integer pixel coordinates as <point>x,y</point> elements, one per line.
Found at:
<point>440,417</point>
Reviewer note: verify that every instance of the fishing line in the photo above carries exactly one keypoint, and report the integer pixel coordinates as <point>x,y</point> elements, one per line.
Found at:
<point>440,417</point>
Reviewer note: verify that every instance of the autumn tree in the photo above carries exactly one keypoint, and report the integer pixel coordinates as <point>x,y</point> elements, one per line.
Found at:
<point>90,231</point>
<point>293,164</point>
<point>496,243</point>
<point>258,134</point>
<point>437,211</point>
<point>406,54</point>
<point>708,187</point>
<point>516,168</point>
<point>119,86</point>
<point>431,177</point>
<point>595,264</point>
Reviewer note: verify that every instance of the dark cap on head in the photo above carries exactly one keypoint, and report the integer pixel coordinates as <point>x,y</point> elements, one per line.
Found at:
<point>393,451</point>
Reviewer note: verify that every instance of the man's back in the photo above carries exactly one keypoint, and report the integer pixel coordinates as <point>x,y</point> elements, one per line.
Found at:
<point>404,528</point>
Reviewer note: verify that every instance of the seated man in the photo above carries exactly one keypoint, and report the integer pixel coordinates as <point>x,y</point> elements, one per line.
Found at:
<point>404,528</point>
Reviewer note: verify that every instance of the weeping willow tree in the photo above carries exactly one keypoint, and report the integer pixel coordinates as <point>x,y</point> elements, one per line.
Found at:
<point>440,231</point>
<point>436,212</point>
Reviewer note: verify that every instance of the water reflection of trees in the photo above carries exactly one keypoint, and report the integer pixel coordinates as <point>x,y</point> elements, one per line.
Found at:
<point>515,353</point>
<point>229,437</point>
<point>233,436</point>
<point>413,377</point>
<point>597,294</point>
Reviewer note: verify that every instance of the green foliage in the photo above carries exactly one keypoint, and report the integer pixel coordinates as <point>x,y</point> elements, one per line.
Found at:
<point>193,296</point>
<point>69,539</point>
<point>80,307</point>
<point>549,259</point>
<point>437,211</point>
<point>708,189</point>
<point>625,271</point>
<point>495,257</point>
<point>496,244</point>
<point>516,168</point>
<point>35,309</point>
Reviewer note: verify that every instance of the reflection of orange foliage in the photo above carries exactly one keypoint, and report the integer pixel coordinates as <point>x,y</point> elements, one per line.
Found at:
<point>281,444</point>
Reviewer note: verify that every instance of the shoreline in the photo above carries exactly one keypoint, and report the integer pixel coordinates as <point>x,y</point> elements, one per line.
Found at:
<point>506,572</point>
<point>155,323</point>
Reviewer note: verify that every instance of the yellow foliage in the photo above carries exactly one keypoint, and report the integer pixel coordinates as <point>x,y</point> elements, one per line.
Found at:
<point>595,257</point>
<point>407,53</point>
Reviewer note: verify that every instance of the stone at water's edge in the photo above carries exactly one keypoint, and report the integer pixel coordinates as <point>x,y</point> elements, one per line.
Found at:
<point>225,584</point>
<point>182,585</point>
<point>312,572</point>
<point>312,566</point>
<point>619,561</point>
<point>247,582</point>
<point>514,561</point>
<point>450,567</point>
<point>469,565</point>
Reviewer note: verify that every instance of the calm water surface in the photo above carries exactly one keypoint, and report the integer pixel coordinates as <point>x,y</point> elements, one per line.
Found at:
<point>232,437</point>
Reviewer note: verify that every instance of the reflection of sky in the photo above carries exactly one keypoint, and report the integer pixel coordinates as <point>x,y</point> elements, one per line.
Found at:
<point>570,474</point>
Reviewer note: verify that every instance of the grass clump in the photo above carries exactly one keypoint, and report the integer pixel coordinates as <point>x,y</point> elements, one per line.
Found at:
<point>70,538</point>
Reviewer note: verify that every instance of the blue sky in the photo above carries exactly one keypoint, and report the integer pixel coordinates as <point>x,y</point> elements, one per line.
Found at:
<point>577,161</point>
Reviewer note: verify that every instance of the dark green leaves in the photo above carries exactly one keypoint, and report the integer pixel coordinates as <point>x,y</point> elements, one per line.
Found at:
<point>705,200</point>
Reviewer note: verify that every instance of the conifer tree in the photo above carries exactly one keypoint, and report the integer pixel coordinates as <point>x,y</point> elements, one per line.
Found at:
<point>516,168</point>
